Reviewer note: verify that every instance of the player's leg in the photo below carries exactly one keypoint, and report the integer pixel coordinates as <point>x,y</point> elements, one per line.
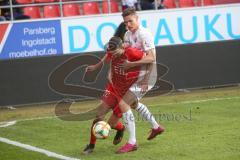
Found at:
<point>110,98</point>
<point>129,121</point>
<point>109,101</point>
<point>145,113</point>
<point>102,110</point>
<point>114,122</point>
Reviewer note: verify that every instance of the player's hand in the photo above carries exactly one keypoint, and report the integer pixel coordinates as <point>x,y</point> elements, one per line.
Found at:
<point>127,65</point>
<point>143,85</point>
<point>90,68</point>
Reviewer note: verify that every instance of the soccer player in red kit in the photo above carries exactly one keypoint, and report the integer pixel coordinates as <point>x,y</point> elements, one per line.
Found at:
<point>119,83</point>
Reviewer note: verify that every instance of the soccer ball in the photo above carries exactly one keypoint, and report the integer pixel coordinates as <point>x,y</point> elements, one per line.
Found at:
<point>101,130</point>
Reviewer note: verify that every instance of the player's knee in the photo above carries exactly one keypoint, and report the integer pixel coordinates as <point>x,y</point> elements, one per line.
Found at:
<point>134,105</point>
<point>124,107</point>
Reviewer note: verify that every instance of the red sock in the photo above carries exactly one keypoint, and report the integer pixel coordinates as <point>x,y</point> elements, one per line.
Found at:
<point>119,126</point>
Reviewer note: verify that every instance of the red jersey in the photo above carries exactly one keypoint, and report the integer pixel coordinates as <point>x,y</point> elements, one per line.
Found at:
<point>122,79</point>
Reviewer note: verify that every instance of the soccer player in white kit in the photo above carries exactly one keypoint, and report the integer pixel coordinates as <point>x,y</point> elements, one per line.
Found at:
<point>142,39</point>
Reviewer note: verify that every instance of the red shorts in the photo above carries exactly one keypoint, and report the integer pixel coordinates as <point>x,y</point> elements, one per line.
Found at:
<point>111,98</point>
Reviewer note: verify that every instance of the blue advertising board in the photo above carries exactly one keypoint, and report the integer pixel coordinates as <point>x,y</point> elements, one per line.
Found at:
<point>31,39</point>
<point>90,33</point>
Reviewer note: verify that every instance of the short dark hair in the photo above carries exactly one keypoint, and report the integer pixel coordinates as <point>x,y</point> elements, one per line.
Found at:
<point>129,11</point>
<point>114,43</point>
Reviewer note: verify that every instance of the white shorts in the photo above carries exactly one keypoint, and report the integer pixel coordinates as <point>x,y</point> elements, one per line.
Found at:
<point>136,89</point>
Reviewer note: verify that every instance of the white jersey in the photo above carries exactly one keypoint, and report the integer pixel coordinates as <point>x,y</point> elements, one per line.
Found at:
<point>142,39</point>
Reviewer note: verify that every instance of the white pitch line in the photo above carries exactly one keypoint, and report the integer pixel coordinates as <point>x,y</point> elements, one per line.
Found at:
<point>198,101</point>
<point>6,124</point>
<point>39,118</point>
<point>35,149</point>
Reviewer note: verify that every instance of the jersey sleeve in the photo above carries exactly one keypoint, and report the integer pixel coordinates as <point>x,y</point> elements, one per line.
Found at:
<point>147,40</point>
<point>133,54</point>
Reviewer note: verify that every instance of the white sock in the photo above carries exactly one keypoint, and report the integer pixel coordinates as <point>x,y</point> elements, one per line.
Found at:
<point>146,114</point>
<point>129,121</point>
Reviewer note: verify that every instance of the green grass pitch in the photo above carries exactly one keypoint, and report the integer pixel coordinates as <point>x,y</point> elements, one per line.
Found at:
<point>200,125</point>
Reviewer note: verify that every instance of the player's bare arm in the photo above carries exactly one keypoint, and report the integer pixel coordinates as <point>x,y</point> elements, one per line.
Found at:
<point>96,66</point>
<point>144,83</point>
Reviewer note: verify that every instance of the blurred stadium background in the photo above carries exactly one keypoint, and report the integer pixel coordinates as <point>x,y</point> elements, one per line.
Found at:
<point>197,44</point>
